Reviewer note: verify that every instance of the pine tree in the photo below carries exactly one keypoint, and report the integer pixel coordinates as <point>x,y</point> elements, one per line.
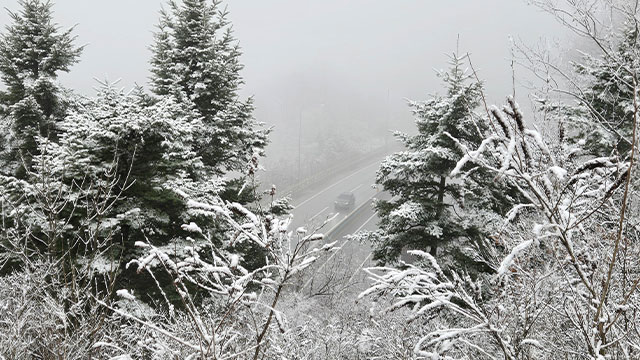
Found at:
<point>430,209</point>
<point>602,120</point>
<point>32,53</point>
<point>196,59</point>
<point>122,167</point>
<point>162,61</point>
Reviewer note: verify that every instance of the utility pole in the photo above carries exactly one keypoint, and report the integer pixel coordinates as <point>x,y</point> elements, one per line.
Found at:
<point>386,122</point>
<point>299,143</point>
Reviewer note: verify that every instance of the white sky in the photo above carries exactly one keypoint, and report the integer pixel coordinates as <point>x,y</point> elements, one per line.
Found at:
<point>349,55</point>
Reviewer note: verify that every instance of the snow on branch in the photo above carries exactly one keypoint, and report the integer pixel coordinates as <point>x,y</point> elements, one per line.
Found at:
<point>219,270</point>
<point>544,264</point>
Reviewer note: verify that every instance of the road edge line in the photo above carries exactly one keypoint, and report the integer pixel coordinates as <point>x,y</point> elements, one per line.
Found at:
<point>360,207</point>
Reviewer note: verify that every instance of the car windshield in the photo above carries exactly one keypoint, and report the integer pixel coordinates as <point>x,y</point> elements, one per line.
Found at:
<point>344,196</point>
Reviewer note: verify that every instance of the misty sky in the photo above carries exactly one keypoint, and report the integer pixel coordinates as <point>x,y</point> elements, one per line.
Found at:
<point>340,65</point>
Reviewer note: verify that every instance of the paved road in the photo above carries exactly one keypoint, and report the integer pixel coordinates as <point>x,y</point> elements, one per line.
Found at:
<point>341,272</point>
<point>315,208</point>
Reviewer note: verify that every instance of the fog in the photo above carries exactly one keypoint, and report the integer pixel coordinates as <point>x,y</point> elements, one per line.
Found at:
<point>331,76</point>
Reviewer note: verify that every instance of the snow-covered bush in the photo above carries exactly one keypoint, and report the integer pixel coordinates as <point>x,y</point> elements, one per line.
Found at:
<point>223,309</point>
<point>50,283</point>
<point>565,276</point>
<point>44,317</point>
<point>342,329</point>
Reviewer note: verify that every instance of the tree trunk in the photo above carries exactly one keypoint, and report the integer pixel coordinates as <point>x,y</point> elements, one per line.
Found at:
<point>441,188</point>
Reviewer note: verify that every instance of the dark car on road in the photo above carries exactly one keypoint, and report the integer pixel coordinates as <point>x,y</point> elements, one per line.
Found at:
<point>345,201</point>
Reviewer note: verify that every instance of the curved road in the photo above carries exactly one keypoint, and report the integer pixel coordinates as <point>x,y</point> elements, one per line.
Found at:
<point>340,272</point>
<point>313,210</point>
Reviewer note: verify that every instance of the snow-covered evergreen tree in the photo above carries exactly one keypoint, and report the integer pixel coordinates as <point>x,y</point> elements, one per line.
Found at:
<point>600,121</point>
<point>565,279</point>
<point>196,59</point>
<point>33,50</point>
<point>127,162</point>
<point>430,208</point>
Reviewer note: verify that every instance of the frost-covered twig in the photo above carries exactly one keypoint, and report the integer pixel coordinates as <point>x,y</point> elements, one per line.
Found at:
<point>218,271</point>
